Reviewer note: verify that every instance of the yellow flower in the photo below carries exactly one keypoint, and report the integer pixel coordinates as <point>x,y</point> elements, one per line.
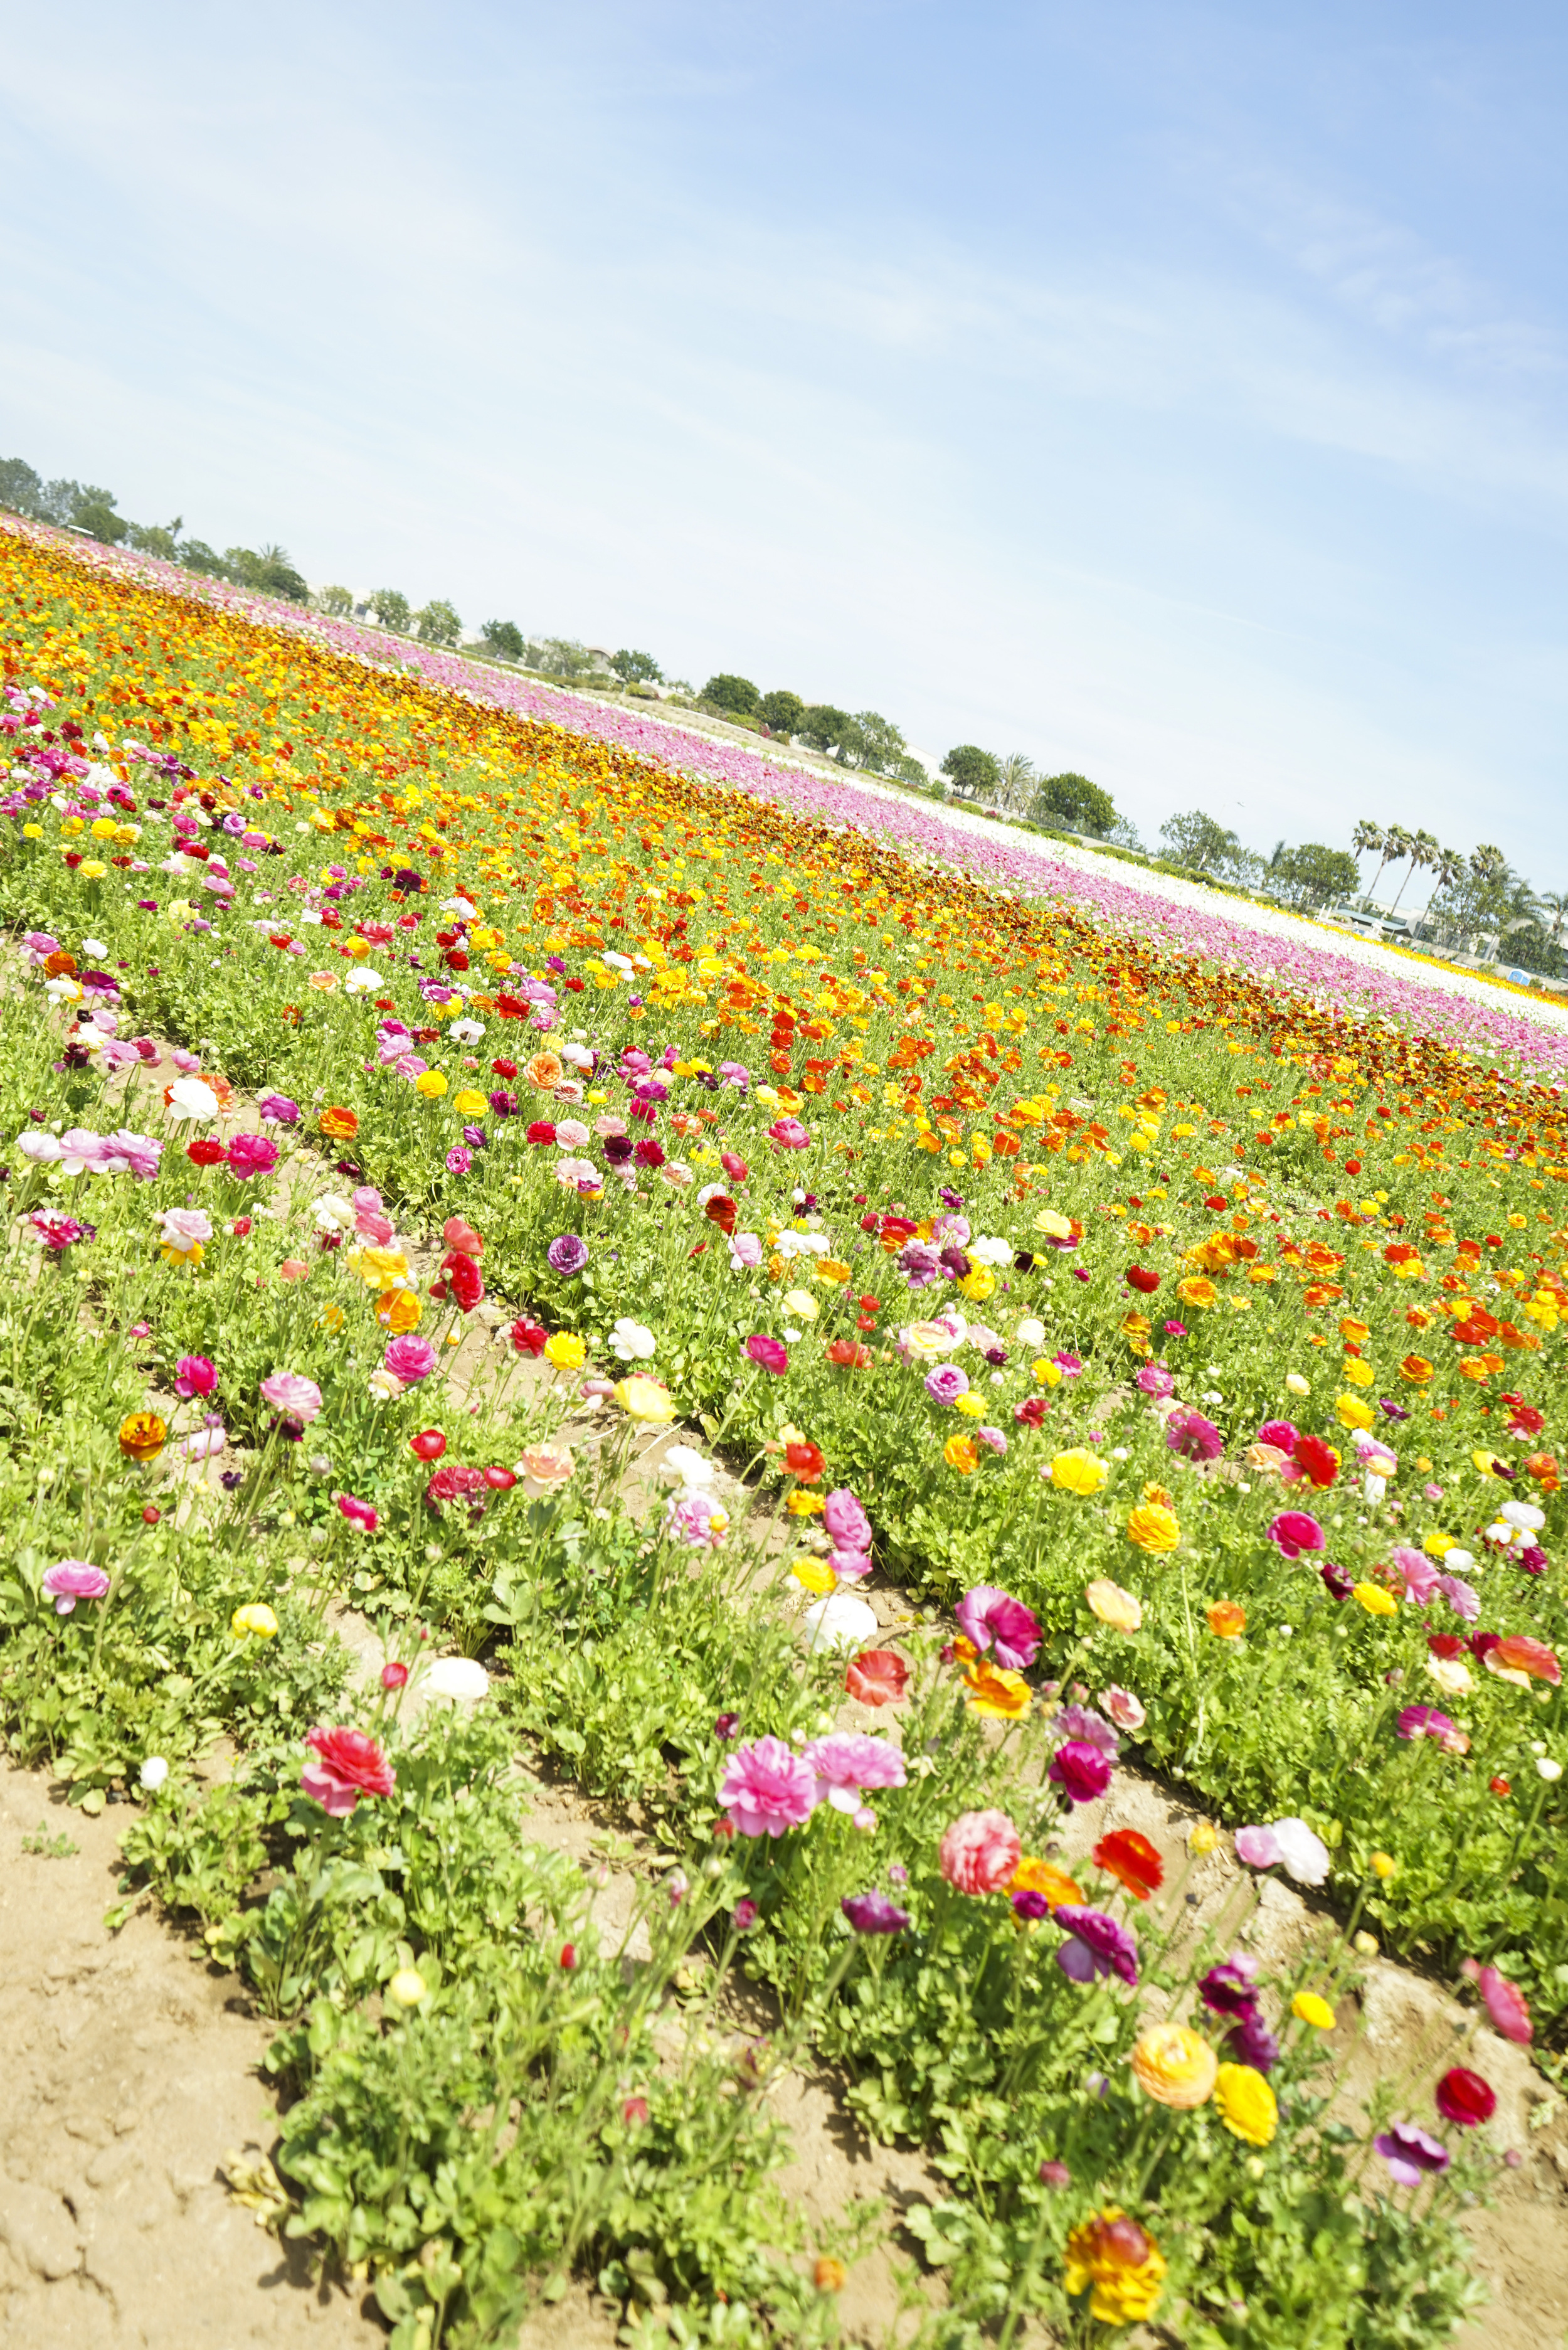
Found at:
<point>1078,1472</point>
<point>1047,1373</point>
<point>92,868</point>
<point>1375,1599</point>
<point>1202,1838</point>
<point>1122,2262</point>
<point>1486,1463</point>
<point>1198,1290</point>
<point>1227,1619</point>
<point>1055,1225</point>
<point>800,1302</point>
<point>1357,1373</point>
<point>191,1254</point>
<point>970,1406</point>
<point>1113,1605</point>
<point>996,1693</point>
<point>407,1988</point>
<point>256,1622</point>
<point>1352,1412</point>
<point>142,1436</point>
<point>1175,2066</point>
<point>642,1398</point>
<point>959,1454</point>
<point>470,1103</point>
<point>1246,2105</point>
<point>826,1268</point>
<point>1032,1876</point>
<point>430,1083</point>
<point>378,1268</point>
<point>801,1504</point>
<point>1311,2009</point>
<point>566,1351</point>
<point>1383,1865</point>
<point>813,1576</point>
<point>1153,1527</point>
<point>978,1282</point>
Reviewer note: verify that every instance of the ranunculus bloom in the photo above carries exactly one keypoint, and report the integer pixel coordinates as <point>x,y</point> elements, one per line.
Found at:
<point>290,1393</point>
<point>873,1913</point>
<point>1521,1659</point>
<point>549,1466</point>
<point>277,1110</point>
<point>1464,2097</point>
<point>1113,1605</point>
<point>1078,1472</point>
<point>1193,1436</point>
<point>1119,2259</point>
<point>1304,1854</point>
<point>568,1256</point>
<point>1227,1619</point>
<point>1505,2004</point>
<point>530,1338</point>
<point>848,1762</point>
<point>1411,2155</point>
<point>251,1154</point>
<point>347,1764</point>
<point>767,1788</point>
<point>1125,1710</point>
<point>1153,1527</point>
<point>788,1133</point>
<point>1175,2066</point>
<point>1228,1989</point>
<point>410,1360</point>
<point>987,1615</point>
<point>1246,2105</point>
<point>194,1375</point>
<point>1318,1459</point>
<point>73,1579</point>
<point>1096,1945</point>
<point>876,1677</point>
<point>142,1436</point>
<point>979,1852</point>
<point>1132,1860</point>
<point>1081,1772</point>
<point>358,1512</point>
<point>1294,1531</point>
<point>767,1354</point>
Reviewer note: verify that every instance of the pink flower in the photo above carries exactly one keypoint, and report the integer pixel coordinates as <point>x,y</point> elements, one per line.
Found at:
<point>410,1359</point>
<point>945,1382</point>
<point>1123,1707</point>
<point>768,1354</point>
<point>788,1133</point>
<point>349,1765</point>
<point>294,1395</point>
<point>251,1154</point>
<point>1155,1380</point>
<point>1461,1596</point>
<point>1421,1575</point>
<point>1505,2004</point>
<point>848,1761</point>
<point>846,1521</point>
<point>207,1442</point>
<point>986,1614</point>
<point>1193,1436</point>
<point>73,1579</point>
<point>745,1252</point>
<point>1293,1531</point>
<point>980,1852</point>
<point>358,1513</point>
<point>1259,1847</point>
<point>767,1788</point>
<point>277,1110</point>
<point>194,1375</point>
<point>697,1520</point>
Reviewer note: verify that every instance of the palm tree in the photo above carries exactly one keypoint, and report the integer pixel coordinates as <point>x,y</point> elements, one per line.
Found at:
<point>1018,779</point>
<point>1421,850</point>
<point>1449,870</point>
<point>1555,903</point>
<point>1397,845</point>
<point>1368,841</point>
<point>1487,864</point>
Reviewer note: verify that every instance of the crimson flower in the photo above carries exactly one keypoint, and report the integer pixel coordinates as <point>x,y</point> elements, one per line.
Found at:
<point>876,1677</point>
<point>1464,2097</point>
<point>1142,1280</point>
<point>1080,1770</point>
<point>428,1445</point>
<point>530,1338</point>
<point>347,1764</point>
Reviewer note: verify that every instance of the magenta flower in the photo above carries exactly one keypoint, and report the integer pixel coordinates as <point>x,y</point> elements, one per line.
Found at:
<point>873,1913</point>
<point>846,1761</point>
<point>1155,1380</point>
<point>1081,1722</point>
<point>292,1393</point>
<point>277,1110</point>
<point>1083,1771</point>
<point>1096,1945</point>
<point>59,1233</point>
<point>1421,1575</point>
<point>568,1256</point>
<point>1293,1531</point>
<point>767,1788</point>
<point>1505,2004</point>
<point>1427,1722</point>
<point>358,1513</point>
<point>788,1133</point>
<point>768,1354</point>
<point>73,1579</point>
<point>945,1382</point>
<point>251,1154</point>
<point>1229,1990</point>
<point>194,1375</point>
<point>410,1359</point>
<point>1410,2154</point>
<point>1193,1436</point>
<point>986,1614</point>
<point>1283,1434</point>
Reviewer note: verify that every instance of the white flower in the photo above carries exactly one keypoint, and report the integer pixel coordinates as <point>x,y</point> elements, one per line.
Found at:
<point>1305,1855</point>
<point>1524,1515</point>
<point>333,1212</point>
<point>457,1677</point>
<point>465,1032</point>
<point>94,947</point>
<point>687,1465</point>
<point>840,1621</point>
<point>1457,1561</point>
<point>360,981</point>
<point>1030,1331</point>
<point>459,905</point>
<point>1297,1386</point>
<point>152,1773</point>
<point>384,1386</point>
<point>63,990</point>
<point>193,1097</point>
<point>39,1147</point>
<point>579,1055</point>
<point>618,962</point>
<point>632,1341</point>
<point>793,1244</point>
<point>990,1250</point>
<point>1548,1769</point>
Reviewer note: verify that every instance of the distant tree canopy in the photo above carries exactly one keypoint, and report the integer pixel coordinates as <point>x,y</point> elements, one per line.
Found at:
<point>637,669</point>
<point>781,711</point>
<point>562,657</point>
<point>503,638</point>
<point>392,608</point>
<point>1312,875</point>
<point>338,603</point>
<point>1074,802</point>
<point>826,728</point>
<point>438,623</point>
<point>727,691</point>
<point>1197,841</point>
<point>974,772</point>
<point>267,569</point>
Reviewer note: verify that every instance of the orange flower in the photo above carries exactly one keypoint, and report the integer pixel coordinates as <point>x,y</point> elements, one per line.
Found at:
<point>994,1692</point>
<point>1417,1369</point>
<point>1043,1877</point>
<point>399,1310</point>
<point>959,1454</point>
<point>142,1436</point>
<point>1542,1467</point>
<point>1227,1619</point>
<point>1521,1659</point>
<point>543,1072</point>
<point>1198,1290</point>
<point>338,1124</point>
<point>1175,2066</point>
<point>1354,1333</point>
<point>1153,1527</point>
<point>1132,1860</point>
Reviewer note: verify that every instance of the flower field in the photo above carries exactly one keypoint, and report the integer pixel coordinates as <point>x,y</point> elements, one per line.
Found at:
<point>412,1109</point>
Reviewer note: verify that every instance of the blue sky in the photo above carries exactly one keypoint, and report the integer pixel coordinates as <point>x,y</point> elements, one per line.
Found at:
<point>1172,392</point>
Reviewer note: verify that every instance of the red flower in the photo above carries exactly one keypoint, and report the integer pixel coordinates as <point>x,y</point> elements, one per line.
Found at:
<point>500,1480</point>
<point>804,1460</point>
<point>568,1956</point>
<point>429,1444</point>
<point>504,1068</point>
<point>1132,1860</point>
<point>876,1677</point>
<point>530,1338</point>
<point>1318,1458</point>
<point>452,1483</point>
<point>1030,1412</point>
<point>850,1355</point>
<point>1499,1787</point>
<point>1142,1279</point>
<point>461,1238</point>
<point>1464,2097</point>
<point>734,1167</point>
<point>349,1765</point>
<point>1445,1644</point>
<point>467,1281</point>
<point>720,1211</point>
<point>541,1131</point>
<point>204,1153</point>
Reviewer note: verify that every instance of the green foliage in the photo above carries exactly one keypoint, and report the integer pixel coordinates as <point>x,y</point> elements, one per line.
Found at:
<point>729,692</point>
<point>781,712</point>
<point>1312,875</point>
<point>1073,801</point>
<point>1197,841</point>
<point>975,773</point>
<point>392,608</point>
<point>336,602</point>
<point>637,669</point>
<point>438,623</point>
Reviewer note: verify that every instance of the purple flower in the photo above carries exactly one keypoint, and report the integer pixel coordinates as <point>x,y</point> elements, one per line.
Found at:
<point>73,1579</point>
<point>1028,1904</point>
<point>985,1615</point>
<point>846,1521</point>
<point>1091,1729</point>
<point>1410,2154</point>
<point>1229,1990</point>
<point>1195,1438</point>
<point>1337,1581</point>
<point>1081,1771</point>
<point>919,1262</point>
<point>1251,2042</point>
<point>476,1138</point>
<point>1097,1945</point>
<point>873,1913</point>
<point>277,1110</point>
<point>568,1255</point>
<point>727,1725</point>
<point>945,1382</point>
